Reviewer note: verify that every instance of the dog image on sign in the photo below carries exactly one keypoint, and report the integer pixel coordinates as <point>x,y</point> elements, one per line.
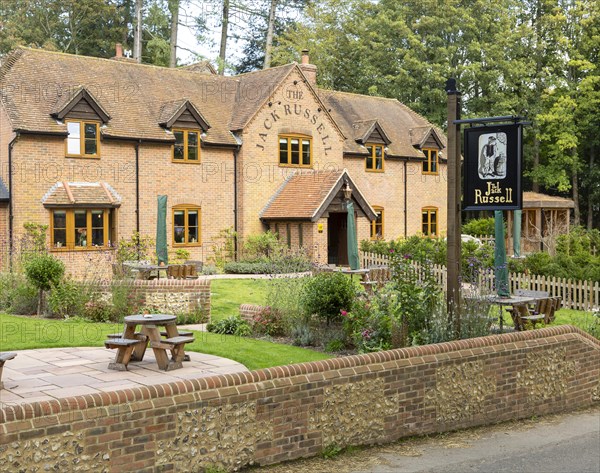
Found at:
<point>492,156</point>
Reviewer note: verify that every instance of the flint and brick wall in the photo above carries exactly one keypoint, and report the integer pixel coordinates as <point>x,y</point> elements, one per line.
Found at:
<point>171,296</point>
<point>283,413</point>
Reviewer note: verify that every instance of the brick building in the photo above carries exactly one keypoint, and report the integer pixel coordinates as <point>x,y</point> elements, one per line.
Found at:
<point>87,145</point>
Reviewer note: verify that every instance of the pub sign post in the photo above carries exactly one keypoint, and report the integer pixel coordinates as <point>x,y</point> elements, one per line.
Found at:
<point>492,167</point>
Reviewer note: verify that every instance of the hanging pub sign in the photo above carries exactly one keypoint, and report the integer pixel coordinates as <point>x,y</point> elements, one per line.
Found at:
<point>492,168</point>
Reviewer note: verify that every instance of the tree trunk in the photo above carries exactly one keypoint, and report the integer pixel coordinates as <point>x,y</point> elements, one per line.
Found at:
<point>137,33</point>
<point>269,41</point>
<point>576,213</point>
<point>224,27</point>
<point>174,7</point>
<point>40,300</point>
<point>590,215</point>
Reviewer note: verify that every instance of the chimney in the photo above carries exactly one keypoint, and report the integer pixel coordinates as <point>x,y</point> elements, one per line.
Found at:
<point>118,51</point>
<point>309,70</point>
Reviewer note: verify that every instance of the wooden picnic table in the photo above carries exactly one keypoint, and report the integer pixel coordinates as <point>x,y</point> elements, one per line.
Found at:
<point>512,301</point>
<point>132,344</point>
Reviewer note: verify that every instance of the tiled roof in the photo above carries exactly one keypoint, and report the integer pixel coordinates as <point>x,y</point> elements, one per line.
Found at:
<point>253,90</point>
<point>81,193</point>
<point>395,118</point>
<point>3,192</point>
<point>132,94</point>
<point>538,200</point>
<point>36,83</point>
<point>317,189</point>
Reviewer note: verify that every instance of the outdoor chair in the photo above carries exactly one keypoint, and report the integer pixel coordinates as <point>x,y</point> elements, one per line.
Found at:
<point>4,357</point>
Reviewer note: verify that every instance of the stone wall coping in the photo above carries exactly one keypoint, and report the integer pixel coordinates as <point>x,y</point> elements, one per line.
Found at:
<point>157,283</point>
<point>310,370</point>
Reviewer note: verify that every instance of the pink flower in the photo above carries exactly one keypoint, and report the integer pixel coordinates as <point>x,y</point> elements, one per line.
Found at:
<point>343,312</point>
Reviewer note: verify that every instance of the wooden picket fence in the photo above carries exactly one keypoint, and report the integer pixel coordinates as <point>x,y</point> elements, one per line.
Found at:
<point>578,295</point>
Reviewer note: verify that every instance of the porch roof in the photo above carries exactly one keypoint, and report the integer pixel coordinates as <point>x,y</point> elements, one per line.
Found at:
<point>306,195</point>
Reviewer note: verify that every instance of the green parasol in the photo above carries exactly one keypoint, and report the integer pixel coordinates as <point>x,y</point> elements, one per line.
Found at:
<point>352,240</point>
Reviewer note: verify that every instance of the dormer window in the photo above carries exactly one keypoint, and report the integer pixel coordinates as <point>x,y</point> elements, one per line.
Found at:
<point>187,146</point>
<point>430,165</point>
<point>83,140</point>
<point>375,160</point>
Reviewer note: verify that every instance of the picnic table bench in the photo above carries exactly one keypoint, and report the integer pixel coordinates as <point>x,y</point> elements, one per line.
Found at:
<point>131,345</point>
<point>4,357</point>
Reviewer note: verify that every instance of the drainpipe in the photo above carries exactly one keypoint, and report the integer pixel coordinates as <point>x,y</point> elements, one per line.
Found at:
<point>10,201</point>
<point>405,203</point>
<point>236,151</point>
<point>137,191</point>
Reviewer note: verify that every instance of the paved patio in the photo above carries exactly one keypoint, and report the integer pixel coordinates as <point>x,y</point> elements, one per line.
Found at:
<point>54,373</point>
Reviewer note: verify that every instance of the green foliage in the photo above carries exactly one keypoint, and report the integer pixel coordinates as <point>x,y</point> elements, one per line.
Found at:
<point>368,325</point>
<point>327,294</point>
<point>479,227</point>
<point>223,250</point>
<point>263,245</point>
<point>135,248</point>
<point>178,256</point>
<point>124,300</point>
<point>67,299</point>
<point>232,325</point>
<point>284,296</point>
<point>34,240</point>
<point>44,271</point>
<point>282,265</point>
<point>331,451</point>
<point>302,334</point>
<point>268,321</point>
<point>17,295</point>
<point>209,269</point>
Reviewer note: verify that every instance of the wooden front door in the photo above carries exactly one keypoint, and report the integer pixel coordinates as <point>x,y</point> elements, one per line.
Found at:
<point>337,239</point>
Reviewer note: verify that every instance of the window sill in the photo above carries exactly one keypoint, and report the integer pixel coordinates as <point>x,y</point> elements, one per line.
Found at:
<point>82,156</point>
<point>430,173</point>
<point>64,249</point>
<point>186,245</point>
<point>375,170</point>
<point>183,161</point>
<point>304,166</point>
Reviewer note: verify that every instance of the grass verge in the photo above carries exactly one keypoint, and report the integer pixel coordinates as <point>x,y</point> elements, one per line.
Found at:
<point>21,333</point>
<point>228,294</point>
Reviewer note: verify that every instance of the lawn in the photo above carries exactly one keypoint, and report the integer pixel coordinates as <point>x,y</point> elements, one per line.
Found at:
<point>20,333</point>
<point>228,294</point>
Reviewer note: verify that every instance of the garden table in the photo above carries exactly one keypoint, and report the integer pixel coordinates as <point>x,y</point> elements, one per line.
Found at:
<point>511,301</point>
<point>150,335</point>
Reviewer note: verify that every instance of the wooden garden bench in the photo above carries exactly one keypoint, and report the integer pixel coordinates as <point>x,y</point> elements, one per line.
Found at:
<point>124,348</point>
<point>176,346</point>
<point>4,357</point>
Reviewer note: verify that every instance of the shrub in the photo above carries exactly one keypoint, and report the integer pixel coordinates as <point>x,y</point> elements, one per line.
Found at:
<point>97,310</point>
<point>302,335</point>
<point>67,299</point>
<point>232,325</point>
<point>326,294</point>
<point>197,316</point>
<point>479,227</point>
<point>293,264</point>
<point>43,271</point>
<point>135,248</point>
<point>263,245</point>
<point>283,296</point>
<point>124,300</point>
<point>209,269</point>
<point>17,295</point>
<point>268,322</point>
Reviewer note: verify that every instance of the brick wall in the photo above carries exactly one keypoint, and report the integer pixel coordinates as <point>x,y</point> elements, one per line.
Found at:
<point>249,311</point>
<point>171,296</point>
<point>295,411</point>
